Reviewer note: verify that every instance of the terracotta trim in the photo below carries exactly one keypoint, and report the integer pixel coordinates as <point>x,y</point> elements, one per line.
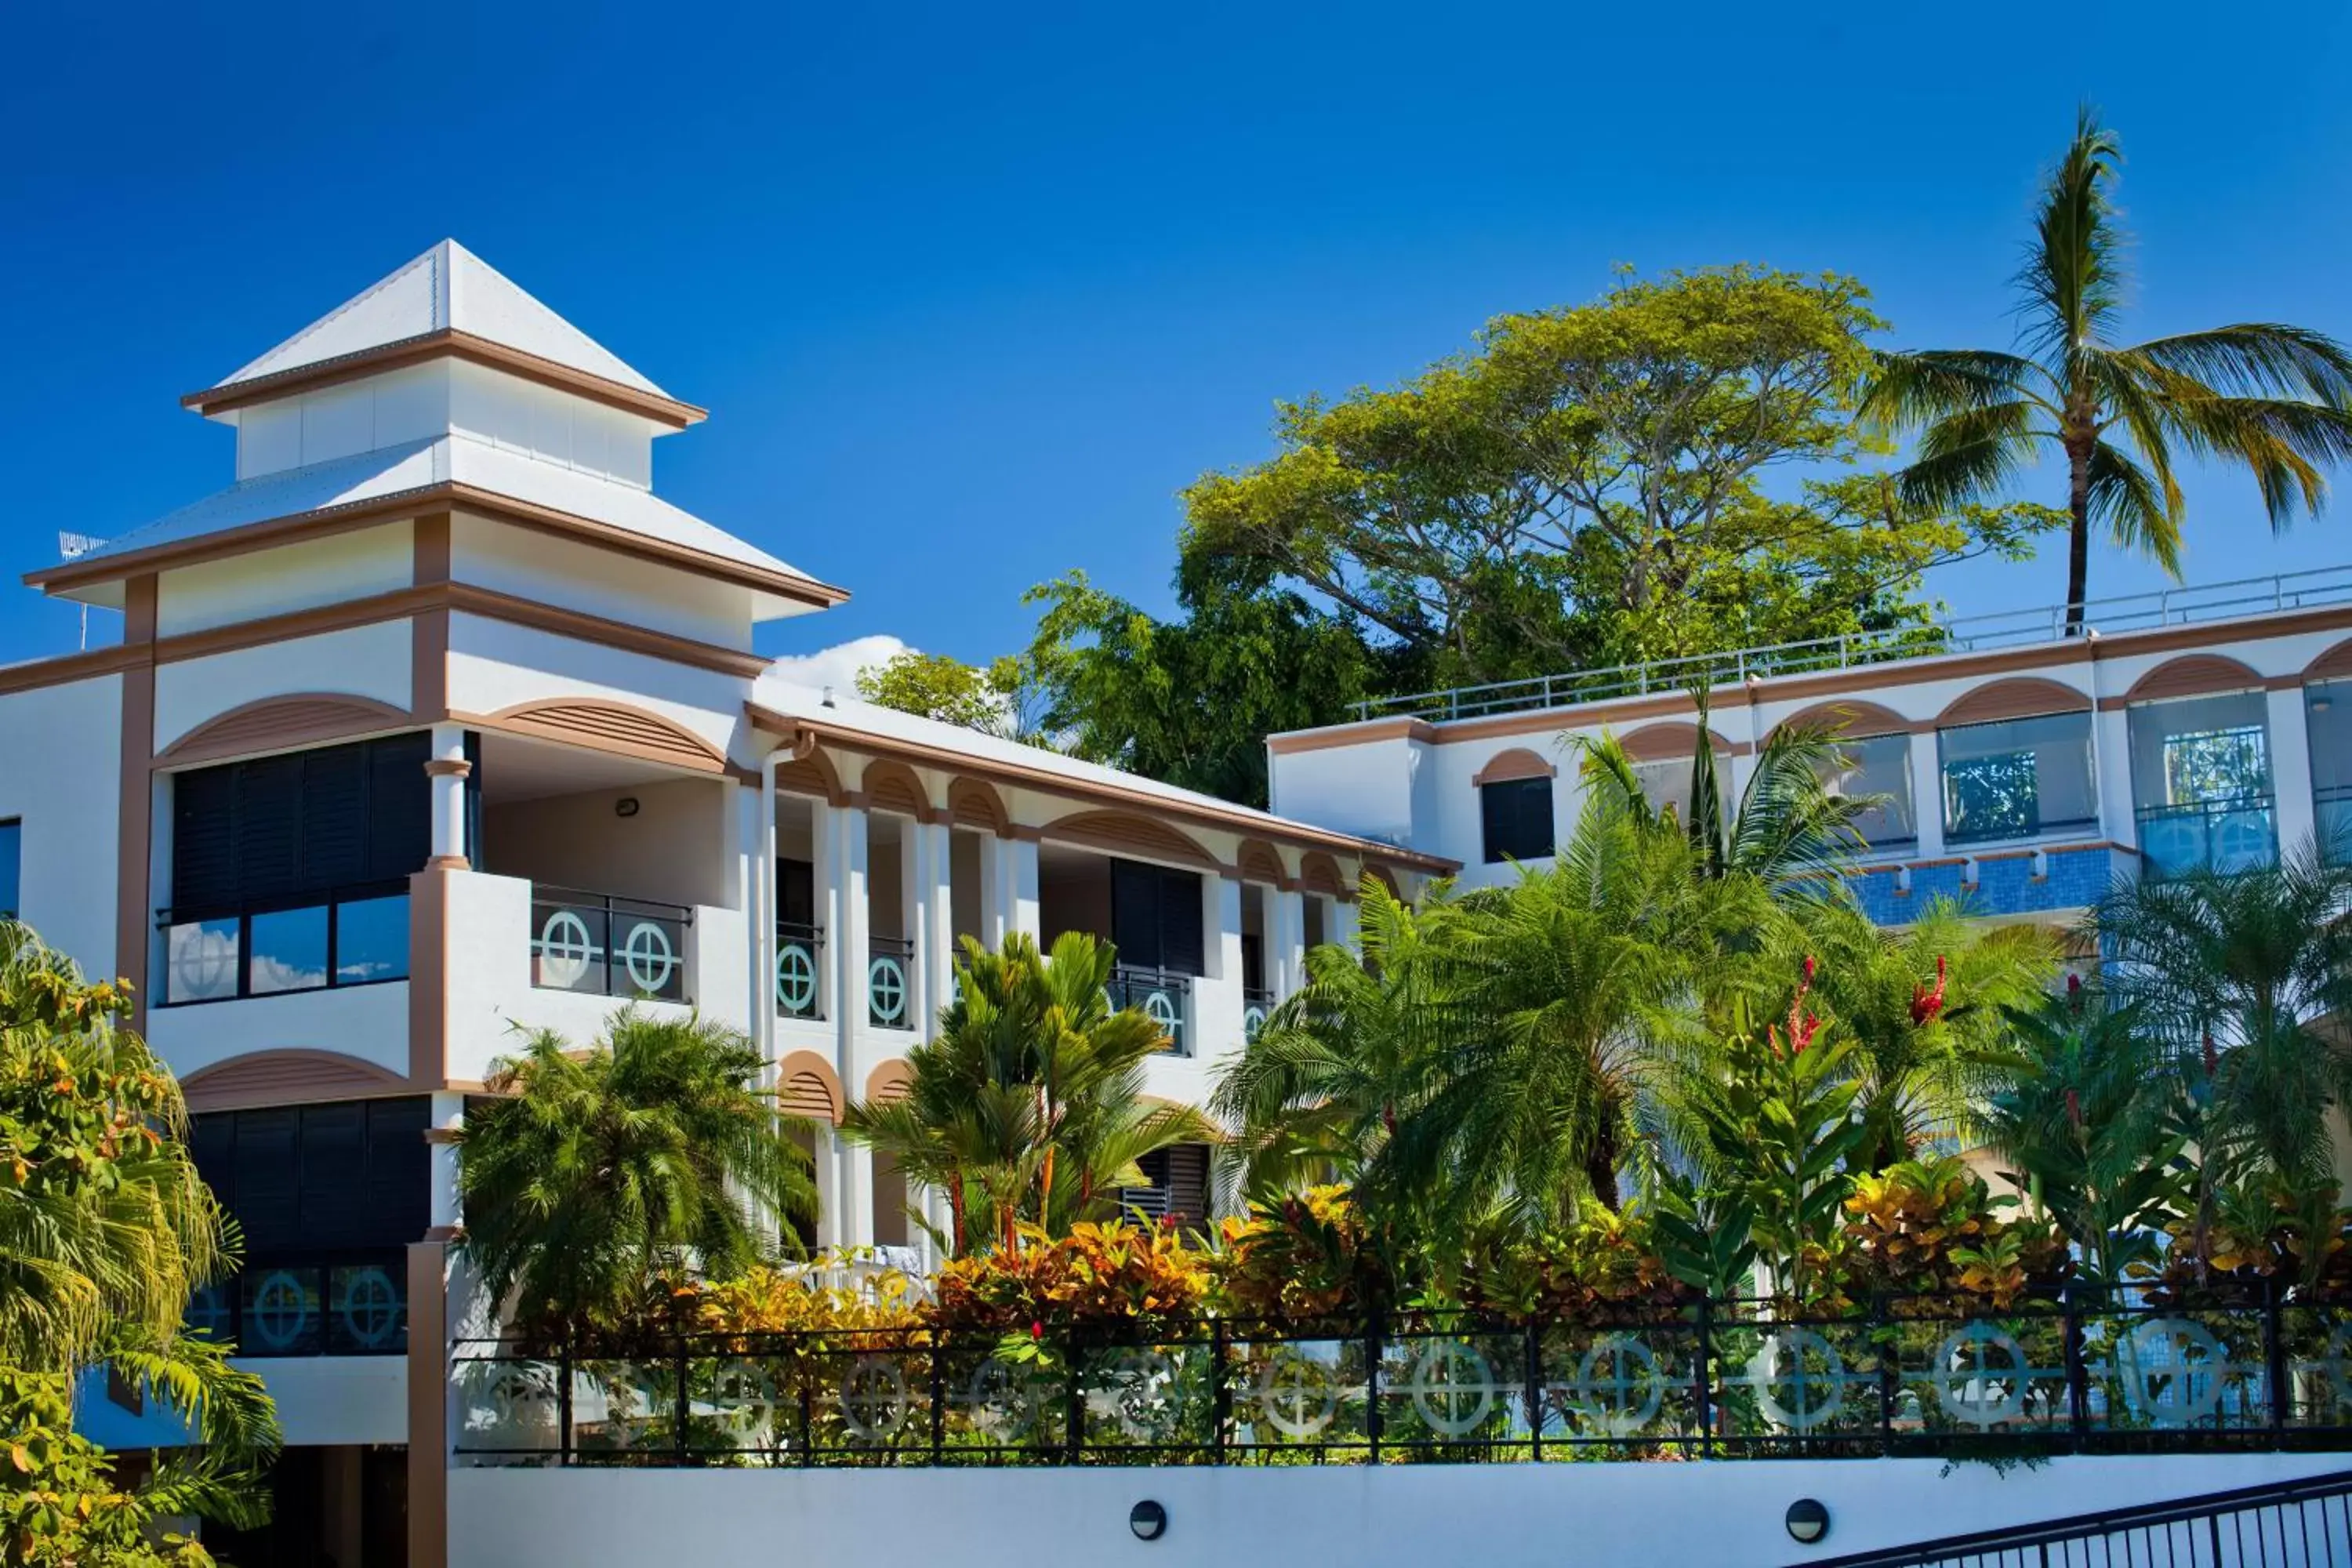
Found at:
<point>64,668</point>
<point>448,342</point>
<point>272,531</point>
<point>811,772</point>
<point>428,975</point>
<point>2336,664</point>
<point>1319,873</point>
<point>282,723</point>
<point>1513,764</point>
<point>444,1137</point>
<point>134,813</point>
<point>430,548</point>
<point>2193,675</point>
<point>1123,832</point>
<point>802,1075</point>
<point>1421,730</point>
<point>429,1404</point>
<point>1677,742</point>
<point>449,768</point>
<point>2021,697</point>
<point>1847,720</point>
<point>491,605</point>
<point>619,727</point>
<point>974,803</point>
<point>889,1080</point>
<point>300,1076</point>
<point>1259,861</point>
<point>1375,871</point>
<point>891,786</point>
<point>318,621</point>
<point>1010,774</point>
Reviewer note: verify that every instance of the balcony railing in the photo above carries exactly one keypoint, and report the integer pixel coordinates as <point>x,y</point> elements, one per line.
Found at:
<point>1257,1003</point>
<point>2227,836</point>
<point>1720,1380</point>
<point>1967,633</point>
<point>2332,807</point>
<point>1161,994</point>
<point>604,946</point>
<point>357,1305</point>
<point>800,955</point>
<point>351,936</point>
<point>889,983</point>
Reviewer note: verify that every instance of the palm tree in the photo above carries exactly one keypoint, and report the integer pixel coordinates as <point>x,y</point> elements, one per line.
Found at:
<point>2240,977</point>
<point>1028,1107</point>
<point>593,1173</point>
<point>2267,397</point>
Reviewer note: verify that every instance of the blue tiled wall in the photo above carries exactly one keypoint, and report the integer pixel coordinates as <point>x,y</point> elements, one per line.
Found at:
<point>2006,886</point>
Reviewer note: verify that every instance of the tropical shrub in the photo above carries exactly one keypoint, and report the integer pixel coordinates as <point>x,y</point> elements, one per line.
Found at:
<point>770,1299</point>
<point>1141,1279</point>
<point>1606,1265</point>
<point>1303,1257</point>
<point>1931,1229</point>
<point>61,1506</point>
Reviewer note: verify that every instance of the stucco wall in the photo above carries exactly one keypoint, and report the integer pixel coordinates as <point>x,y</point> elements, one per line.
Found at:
<point>299,576</point>
<point>670,852</point>
<point>371,662</point>
<point>59,776</point>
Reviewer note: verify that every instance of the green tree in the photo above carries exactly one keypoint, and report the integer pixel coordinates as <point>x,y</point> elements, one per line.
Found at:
<point>1027,1109</point>
<point>1000,699</point>
<point>106,1229</point>
<point>592,1174</point>
<point>2266,397</point>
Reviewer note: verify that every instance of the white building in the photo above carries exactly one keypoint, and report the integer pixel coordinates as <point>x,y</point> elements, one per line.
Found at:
<point>439,725</point>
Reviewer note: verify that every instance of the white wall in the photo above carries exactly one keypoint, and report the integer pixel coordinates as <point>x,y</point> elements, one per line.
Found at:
<point>670,852</point>
<point>59,774</point>
<point>494,666</point>
<point>363,415</point>
<point>300,577</point>
<point>370,661</point>
<point>1366,789</point>
<point>1725,1514</point>
<point>369,1022</point>
<point>337,1399</point>
<point>550,426</point>
<point>562,572</point>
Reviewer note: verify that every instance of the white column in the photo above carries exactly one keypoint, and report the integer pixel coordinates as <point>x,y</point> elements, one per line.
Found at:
<point>935,925</point>
<point>448,1116</point>
<point>1927,795</point>
<point>992,895</point>
<point>826,874</point>
<point>1216,1021</point>
<point>1346,921</point>
<point>857,1189</point>
<point>830,1204</point>
<point>1014,890</point>
<point>448,769</point>
<point>1285,941</point>
<point>2291,769</point>
<point>2110,756</point>
<point>914,879</point>
<point>848,824</point>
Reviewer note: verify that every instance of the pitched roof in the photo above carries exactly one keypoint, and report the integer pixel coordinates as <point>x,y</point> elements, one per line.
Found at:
<point>447,290</point>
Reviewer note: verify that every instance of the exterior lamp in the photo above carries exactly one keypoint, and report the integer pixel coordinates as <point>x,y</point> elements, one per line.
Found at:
<point>1808,1520</point>
<point>625,806</point>
<point>1148,1519</point>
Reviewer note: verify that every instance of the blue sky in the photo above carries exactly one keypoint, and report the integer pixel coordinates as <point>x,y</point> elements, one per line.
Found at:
<point>972,291</point>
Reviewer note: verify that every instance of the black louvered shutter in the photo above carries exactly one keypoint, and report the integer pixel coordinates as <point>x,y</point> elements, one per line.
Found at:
<point>211,1143</point>
<point>334,823</point>
<point>399,806</point>
<point>1135,913</point>
<point>1181,938</point>
<point>796,892</point>
<point>400,1171</point>
<point>270,826</point>
<point>203,838</point>
<point>334,1175</point>
<point>268,1180</point>
<point>1187,1182</point>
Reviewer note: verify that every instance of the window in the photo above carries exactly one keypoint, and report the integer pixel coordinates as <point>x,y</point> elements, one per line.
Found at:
<point>2327,708</point>
<point>1516,818</point>
<point>1176,1182</point>
<point>2201,784</point>
<point>11,850</point>
<point>2018,777</point>
<point>1155,917</point>
<point>1877,765</point>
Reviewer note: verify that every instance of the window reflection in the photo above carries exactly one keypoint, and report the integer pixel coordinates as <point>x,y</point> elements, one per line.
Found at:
<point>1876,765</point>
<point>289,951</point>
<point>2327,706</point>
<point>2017,777</point>
<point>372,940</point>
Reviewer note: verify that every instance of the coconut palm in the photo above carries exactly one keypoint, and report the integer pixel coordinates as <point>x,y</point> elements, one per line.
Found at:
<point>593,1173</point>
<point>1028,1107</point>
<point>2267,397</point>
<point>2239,977</point>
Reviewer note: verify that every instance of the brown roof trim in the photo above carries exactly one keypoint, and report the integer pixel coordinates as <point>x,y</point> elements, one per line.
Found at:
<point>1131,833</point>
<point>1850,720</point>
<point>620,728</point>
<point>1675,741</point>
<point>283,723</point>
<point>67,668</point>
<point>447,343</point>
<point>328,521</point>
<point>2018,697</point>
<point>1230,818</point>
<point>1354,735</point>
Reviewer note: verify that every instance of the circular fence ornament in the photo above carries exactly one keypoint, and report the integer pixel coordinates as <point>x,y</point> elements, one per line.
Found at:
<point>2173,1371</point>
<point>646,954</point>
<point>1452,1387</point>
<point>371,1311</point>
<point>1161,1008</point>
<point>2174,842</point>
<point>203,964</point>
<point>280,1313</point>
<point>795,979</point>
<point>208,1311</point>
<point>1618,1385</point>
<point>749,1402</point>
<point>874,1397</point>
<point>1005,1401</point>
<point>1296,1394</point>
<point>886,989</point>
<point>1140,1386</point>
<point>522,1412</point>
<point>564,951</point>
<point>1980,1375</point>
<point>1252,1021</point>
<point>1798,1378</point>
<point>2242,841</point>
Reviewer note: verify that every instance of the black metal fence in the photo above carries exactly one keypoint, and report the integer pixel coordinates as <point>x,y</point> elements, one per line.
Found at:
<point>1721,1380</point>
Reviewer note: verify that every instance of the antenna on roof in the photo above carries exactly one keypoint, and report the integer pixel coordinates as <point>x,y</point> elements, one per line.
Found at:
<point>73,547</point>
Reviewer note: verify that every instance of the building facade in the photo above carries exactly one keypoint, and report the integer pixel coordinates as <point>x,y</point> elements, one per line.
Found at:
<point>438,727</point>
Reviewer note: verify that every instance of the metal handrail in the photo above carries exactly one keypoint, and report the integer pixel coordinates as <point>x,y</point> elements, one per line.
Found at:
<point>2241,598</point>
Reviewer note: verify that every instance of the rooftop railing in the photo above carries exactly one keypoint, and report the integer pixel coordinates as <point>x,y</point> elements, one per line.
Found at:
<point>1851,650</point>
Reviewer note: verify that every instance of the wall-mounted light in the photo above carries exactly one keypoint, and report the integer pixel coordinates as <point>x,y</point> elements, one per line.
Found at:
<point>1148,1519</point>
<point>625,806</point>
<point>2322,704</point>
<point>1808,1522</point>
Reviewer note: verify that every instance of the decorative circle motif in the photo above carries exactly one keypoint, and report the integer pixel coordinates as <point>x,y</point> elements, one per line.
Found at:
<point>795,979</point>
<point>886,989</point>
<point>280,1311</point>
<point>519,1404</point>
<point>371,1311</point>
<point>1005,1402</point>
<point>1618,1385</point>
<point>874,1397</point>
<point>1980,1374</point>
<point>564,951</point>
<point>1296,1394</point>
<point>2174,1372</point>
<point>749,1398</point>
<point>648,955</point>
<point>1812,1397</point>
<point>2242,841</point>
<point>208,1311</point>
<point>1253,1020</point>
<point>2337,1364</point>
<point>1140,1384</point>
<point>203,967</point>
<point>1161,1008</point>
<point>2171,842</point>
<point>1452,1387</point>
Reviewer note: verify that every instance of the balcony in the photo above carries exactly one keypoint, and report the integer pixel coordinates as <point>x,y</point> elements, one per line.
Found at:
<point>1257,1003</point>
<point>799,959</point>
<point>2332,810</point>
<point>607,946</point>
<point>351,1305</point>
<point>313,941</point>
<point>1164,996</point>
<point>2224,835</point>
<point>889,989</point>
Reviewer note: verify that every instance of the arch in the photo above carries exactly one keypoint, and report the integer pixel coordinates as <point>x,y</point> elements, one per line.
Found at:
<point>1319,873</point>
<point>894,1079</point>
<point>974,803</point>
<point>813,774</point>
<point>2018,697</point>
<point>286,1077</point>
<point>894,786</point>
<point>1674,741</point>
<point>1847,719</point>
<point>1120,830</point>
<point>1376,872</point>
<point>2336,664</point>
<point>806,1086</point>
<point>1515,763</point>
<point>280,723</point>
<point>2193,675</point>
<point>618,727</point>
<point>1262,862</point>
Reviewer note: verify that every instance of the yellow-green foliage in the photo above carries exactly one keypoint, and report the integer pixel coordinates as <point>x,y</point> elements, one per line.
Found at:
<point>1604,1265</point>
<point>1305,1256</point>
<point>1931,1228</point>
<point>1099,1276</point>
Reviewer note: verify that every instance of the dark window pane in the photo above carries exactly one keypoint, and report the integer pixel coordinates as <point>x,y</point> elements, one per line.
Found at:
<point>289,951</point>
<point>270,826</point>
<point>400,807</point>
<point>203,838</point>
<point>1182,941</point>
<point>372,940</point>
<point>1135,913</point>
<point>268,1180</point>
<point>1515,817</point>
<point>12,851</point>
<point>334,817</point>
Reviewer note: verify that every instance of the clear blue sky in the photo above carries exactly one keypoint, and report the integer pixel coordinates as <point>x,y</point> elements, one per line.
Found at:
<point>972,291</point>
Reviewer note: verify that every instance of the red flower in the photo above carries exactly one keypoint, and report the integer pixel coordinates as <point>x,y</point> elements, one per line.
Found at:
<point>1037,1330</point>
<point>1802,1032</point>
<point>1927,1004</point>
<point>2213,1057</point>
<point>2074,1109</point>
<point>1809,969</point>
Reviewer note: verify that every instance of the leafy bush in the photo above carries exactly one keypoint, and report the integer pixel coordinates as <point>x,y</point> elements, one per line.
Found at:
<point>1300,1259</point>
<point>1116,1275</point>
<point>1606,1265</point>
<point>1931,1228</point>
